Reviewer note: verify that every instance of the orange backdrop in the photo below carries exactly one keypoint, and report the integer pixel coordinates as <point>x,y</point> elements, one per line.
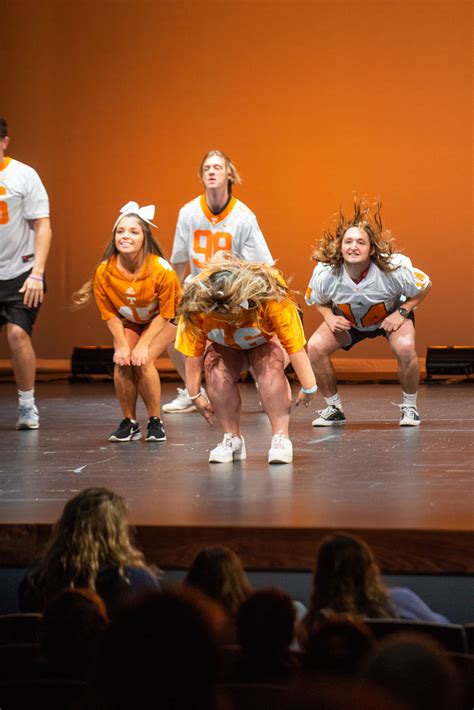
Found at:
<point>313,99</point>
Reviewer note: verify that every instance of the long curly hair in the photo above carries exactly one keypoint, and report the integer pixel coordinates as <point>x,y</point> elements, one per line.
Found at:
<point>347,581</point>
<point>218,572</point>
<point>150,246</point>
<point>231,286</point>
<point>92,532</point>
<point>367,218</point>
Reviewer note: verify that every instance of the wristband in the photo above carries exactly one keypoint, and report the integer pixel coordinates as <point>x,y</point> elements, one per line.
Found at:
<point>36,278</point>
<point>311,390</point>
<point>195,396</point>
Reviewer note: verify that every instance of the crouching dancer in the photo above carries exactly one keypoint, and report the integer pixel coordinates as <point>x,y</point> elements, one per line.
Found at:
<point>239,308</point>
<point>364,289</point>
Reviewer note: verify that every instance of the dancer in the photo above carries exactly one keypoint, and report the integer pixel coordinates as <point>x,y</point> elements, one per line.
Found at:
<point>212,222</point>
<point>364,289</point>
<point>137,293</point>
<point>240,307</point>
<point>25,239</point>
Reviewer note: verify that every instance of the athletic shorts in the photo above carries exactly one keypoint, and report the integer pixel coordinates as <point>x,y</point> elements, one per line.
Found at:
<point>358,335</point>
<point>12,308</point>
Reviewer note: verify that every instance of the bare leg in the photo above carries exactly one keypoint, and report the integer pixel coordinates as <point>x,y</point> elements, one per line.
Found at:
<point>268,364</point>
<point>321,345</point>
<point>223,367</point>
<point>147,376</point>
<point>402,342</point>
<point>177,359</point>
<point>23,357</point>
<point>125,381</point>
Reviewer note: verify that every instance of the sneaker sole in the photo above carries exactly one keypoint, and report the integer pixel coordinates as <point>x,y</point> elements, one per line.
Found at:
<point>185,410</point>
<point>155,438</point>
<point>23,426</point>
<point>134,437</point>
<point>410,423</point>
<point>235,457</point>
<point>279,458</point>
<point>318,422</point>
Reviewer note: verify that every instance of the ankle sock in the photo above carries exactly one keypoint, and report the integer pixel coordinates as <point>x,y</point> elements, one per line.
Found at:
<point>409,399</point>
<point>26,397</point>
<point>334,401</point>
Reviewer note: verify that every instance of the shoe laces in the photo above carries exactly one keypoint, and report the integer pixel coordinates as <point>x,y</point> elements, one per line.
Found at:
<point>278,440</point>
<point>25,409</point>
<point>328,410</point>
<point>226,442</point>
<point>407,409</point>
<point>182,393</point>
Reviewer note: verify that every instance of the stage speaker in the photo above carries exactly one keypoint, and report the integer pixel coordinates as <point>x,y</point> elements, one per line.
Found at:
<point>449,360</point>
<point>92,360</point>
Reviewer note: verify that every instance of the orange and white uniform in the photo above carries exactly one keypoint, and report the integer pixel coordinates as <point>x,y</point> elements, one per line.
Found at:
<point>257,327</point>
<point>155,291</point>
<point>200,234</point>
<point>22,198</point>
<point>367,303</point>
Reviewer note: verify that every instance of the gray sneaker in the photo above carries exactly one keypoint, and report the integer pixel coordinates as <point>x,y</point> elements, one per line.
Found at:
<point>28,417</point>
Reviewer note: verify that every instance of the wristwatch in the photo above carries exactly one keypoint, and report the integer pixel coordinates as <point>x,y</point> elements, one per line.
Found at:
<point>403,312</point>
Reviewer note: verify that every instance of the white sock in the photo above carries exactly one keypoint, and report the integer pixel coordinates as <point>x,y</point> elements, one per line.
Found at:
<point>26,397</point>
<point>334,401</point>
<point>409,399</point>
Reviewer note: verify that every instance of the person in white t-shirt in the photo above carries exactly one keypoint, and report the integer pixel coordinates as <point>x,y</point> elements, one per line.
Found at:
<point>364,289</point>
<point>25,239</point>
<point>215,221</point>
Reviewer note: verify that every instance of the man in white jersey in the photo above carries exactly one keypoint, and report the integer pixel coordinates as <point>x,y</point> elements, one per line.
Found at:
<point>363,289</point>
<point>215,221</point>
<point>25,238</point>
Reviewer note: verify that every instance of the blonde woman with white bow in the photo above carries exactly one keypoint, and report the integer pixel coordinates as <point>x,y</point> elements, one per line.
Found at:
<point>137,293</point>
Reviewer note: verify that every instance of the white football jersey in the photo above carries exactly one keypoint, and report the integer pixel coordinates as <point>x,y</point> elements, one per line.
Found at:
<point>22,198</point>
<point>200,234</point>
<point>368,302</point>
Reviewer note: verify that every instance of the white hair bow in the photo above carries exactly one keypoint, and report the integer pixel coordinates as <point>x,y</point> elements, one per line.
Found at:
<point>145,213</point>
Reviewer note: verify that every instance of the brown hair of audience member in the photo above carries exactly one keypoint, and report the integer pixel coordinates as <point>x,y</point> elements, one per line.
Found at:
<point>218,572</point>
<point>337,645</point>
<point>92,532</point>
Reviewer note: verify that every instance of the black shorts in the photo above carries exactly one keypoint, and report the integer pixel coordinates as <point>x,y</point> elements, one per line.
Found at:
<point>12,308</point>
<point>358,335</point>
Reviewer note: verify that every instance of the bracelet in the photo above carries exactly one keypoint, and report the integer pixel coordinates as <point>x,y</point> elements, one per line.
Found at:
<point>195,396</point>
<point>36,278</point>
<point>311,390</point>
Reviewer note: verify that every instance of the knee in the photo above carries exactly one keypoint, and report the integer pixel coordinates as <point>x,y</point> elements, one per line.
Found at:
<point>405,350</point>
<point>316,351</point>
<point>17,337</point>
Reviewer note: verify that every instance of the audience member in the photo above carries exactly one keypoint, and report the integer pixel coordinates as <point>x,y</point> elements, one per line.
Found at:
<point>265,627</point>
<point>337,645</point>
<point>72,626</point>
<point>347,580</point>
<point>161,651</point>
<point>414,670</point>
<point>218,572</point>
<point>90,547</point>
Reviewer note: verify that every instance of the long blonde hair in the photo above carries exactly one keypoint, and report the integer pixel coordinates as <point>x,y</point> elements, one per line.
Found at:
<point>92,532</point>
<point>367,218</point>
<point>231,286</point>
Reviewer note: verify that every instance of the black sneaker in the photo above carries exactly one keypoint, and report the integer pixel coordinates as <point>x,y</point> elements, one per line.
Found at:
<point>155,430</point>
<point>128,431</point>
<point>329,417</point>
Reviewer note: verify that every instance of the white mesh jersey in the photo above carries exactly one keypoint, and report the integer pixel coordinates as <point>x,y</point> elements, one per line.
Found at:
<point>366,303</point>
<point>22,198</point>
<point>200,234</point>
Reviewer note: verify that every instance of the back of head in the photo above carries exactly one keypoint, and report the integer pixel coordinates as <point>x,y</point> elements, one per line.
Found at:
<point>3,128</point>
<point>72,626</point>
<point>163,646</point>
<point>265,623</point>
<point>347,578</point>
<point>415,670</point>
<point>218,572</point>
<point>337,645</point>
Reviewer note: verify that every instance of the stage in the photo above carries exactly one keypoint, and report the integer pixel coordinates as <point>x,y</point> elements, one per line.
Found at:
<point>407,491</point>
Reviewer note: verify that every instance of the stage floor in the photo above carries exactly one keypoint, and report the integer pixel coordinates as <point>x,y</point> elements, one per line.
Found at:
<point>407,491</point>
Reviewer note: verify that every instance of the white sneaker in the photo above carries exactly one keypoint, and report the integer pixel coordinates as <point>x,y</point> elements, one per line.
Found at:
<point>330,416</point>
<point>231,448</point>
<point>28,417</point>
<point>409,415</point>
<point>281,449</point>
<point>181,403</point>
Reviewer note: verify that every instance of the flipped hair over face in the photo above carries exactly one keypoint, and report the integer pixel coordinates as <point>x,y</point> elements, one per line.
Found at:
<point>367,218</point>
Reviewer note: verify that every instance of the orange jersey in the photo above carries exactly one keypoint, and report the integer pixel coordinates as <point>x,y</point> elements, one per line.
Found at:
<point>155,291</point>
<point>257,327</point>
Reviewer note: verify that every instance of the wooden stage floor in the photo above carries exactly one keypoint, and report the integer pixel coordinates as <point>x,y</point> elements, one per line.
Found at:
<point>407,491</point>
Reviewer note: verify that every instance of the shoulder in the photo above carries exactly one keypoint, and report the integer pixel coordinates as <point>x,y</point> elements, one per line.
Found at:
<point>244,211</point>
<point>100,270</point>
<point>189,207</point>
<point>398,260</point>
<point>159,264</point>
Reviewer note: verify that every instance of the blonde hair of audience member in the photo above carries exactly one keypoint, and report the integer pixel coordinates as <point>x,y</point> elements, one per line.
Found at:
<point>367,218</point>
<point>218,572</point>
<point>92,531</point>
